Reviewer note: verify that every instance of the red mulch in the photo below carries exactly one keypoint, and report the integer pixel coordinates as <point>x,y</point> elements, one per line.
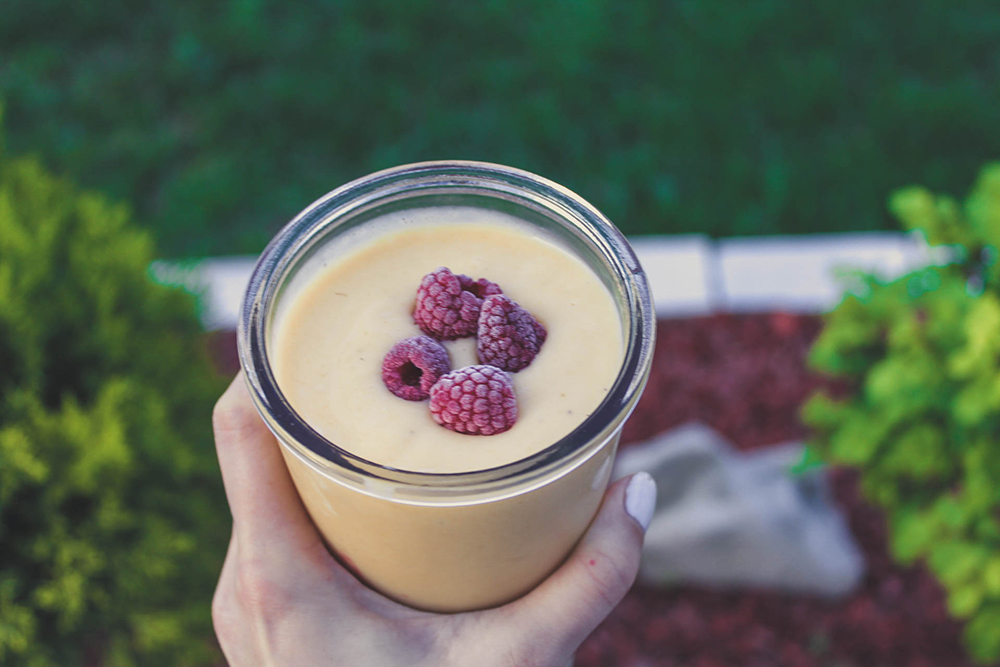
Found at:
<point>745,376</point>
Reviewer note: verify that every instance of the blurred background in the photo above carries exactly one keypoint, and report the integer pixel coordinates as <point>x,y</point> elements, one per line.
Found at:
<point>219,121</point>
<point>135,131</point>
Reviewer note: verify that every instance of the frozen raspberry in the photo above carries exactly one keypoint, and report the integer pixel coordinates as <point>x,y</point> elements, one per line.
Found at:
<point>413,366</point>
<point>476,400</point>
<point>509,337</point>
<point>448,305</point>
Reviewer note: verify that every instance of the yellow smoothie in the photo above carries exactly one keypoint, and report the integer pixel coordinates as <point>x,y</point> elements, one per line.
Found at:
<point>337,322</point>
<point>331,342</point>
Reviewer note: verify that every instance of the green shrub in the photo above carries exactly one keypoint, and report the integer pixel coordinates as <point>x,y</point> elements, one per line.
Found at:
<point>112,521</point>
<point>923,420</point>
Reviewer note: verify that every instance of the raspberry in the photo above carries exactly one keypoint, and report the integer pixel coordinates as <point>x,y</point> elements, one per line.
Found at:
<point>448,305</point>
<point>476,400</point>
<point>413,366</point>
<point>509,337</point>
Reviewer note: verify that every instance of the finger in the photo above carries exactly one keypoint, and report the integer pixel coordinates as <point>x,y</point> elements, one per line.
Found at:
<point>555,618</point>
<point>267,511</point>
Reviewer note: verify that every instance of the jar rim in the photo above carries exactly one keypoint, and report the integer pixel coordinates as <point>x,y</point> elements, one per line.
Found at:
<point>279,257</point>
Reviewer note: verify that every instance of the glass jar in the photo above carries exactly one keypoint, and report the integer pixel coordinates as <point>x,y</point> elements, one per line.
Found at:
<point>449,541</point>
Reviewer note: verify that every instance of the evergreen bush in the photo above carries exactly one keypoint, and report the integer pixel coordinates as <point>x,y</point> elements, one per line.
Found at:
<point>922,422</point>
<point>112,520</point>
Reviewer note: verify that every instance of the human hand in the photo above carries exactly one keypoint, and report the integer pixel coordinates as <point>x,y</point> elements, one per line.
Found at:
<point>282,599</point>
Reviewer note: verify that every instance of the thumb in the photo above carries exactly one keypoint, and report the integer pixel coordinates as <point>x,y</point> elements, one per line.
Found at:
<point>555,618</point>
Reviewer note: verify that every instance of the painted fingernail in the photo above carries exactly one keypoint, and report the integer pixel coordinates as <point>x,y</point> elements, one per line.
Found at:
<point>640,498</point>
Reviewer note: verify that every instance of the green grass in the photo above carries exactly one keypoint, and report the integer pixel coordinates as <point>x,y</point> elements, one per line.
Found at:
<point>220,121</point>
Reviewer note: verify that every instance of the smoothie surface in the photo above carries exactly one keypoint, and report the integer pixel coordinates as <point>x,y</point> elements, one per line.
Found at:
<point>330,338</point>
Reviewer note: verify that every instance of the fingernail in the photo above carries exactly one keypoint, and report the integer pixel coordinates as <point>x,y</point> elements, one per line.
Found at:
<point>640,498</point>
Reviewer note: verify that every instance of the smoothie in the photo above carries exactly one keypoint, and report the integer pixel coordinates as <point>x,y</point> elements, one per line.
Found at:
<point>330,343</point>
<point>434,518</point>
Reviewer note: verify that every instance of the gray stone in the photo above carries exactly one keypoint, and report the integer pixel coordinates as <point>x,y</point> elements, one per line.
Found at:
<point>725,518</point>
